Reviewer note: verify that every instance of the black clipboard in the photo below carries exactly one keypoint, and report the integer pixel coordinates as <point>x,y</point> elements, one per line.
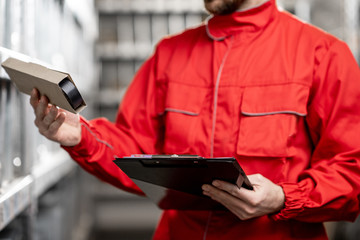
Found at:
<point>174,181</point>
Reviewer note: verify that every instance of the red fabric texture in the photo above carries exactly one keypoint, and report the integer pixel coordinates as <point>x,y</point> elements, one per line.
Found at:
<point>279,95</point>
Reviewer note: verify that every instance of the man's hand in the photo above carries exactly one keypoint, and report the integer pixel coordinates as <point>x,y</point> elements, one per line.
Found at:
<point>266,198</point>
<point>55,124</point>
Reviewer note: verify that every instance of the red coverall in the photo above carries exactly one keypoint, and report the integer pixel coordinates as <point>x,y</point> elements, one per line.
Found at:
<point>279,95</point>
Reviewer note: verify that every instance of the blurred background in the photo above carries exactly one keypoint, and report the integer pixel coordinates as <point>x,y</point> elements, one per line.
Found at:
<point>101,43</point>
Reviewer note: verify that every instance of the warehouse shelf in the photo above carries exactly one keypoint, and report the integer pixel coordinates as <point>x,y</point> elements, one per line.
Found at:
<point>53,167</point>
<point>18,194</point>
<point>123,51</point>
<point>14,198</point>
<point>32,168</point>
<point>287,4</point>
<point>110,97</point>
<point>44,167</point>
<point>149,6</point>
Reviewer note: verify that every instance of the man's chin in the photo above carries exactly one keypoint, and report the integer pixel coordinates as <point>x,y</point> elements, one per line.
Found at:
<point>222,7</point>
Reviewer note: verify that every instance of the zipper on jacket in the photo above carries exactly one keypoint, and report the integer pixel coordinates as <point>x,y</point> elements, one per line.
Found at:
<point>216,95</point>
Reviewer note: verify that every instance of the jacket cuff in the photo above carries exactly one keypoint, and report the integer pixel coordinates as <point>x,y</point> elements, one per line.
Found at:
<point>295,195</point>
<point>87,143</point>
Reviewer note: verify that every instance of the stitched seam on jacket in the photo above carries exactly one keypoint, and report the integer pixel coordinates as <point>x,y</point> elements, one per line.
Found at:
<point>178,111</point>
<point>278,83</point>
<point>273,113</point>
<point>96,138</point>
<point>207,226</point>
<point>216,96</point>
<point>181,111</point>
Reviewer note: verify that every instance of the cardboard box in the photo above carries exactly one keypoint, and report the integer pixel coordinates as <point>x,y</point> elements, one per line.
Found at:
<point>57,86</point>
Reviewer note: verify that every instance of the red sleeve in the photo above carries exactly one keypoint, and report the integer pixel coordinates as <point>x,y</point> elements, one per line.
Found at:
<point>135,131</point>
<point>329,189</point>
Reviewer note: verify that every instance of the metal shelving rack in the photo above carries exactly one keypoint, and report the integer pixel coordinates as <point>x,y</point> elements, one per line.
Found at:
<point>128,32</point>
<point>32,169</point>
<point>340,18</point>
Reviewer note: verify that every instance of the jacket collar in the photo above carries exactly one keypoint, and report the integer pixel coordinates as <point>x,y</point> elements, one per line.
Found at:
<point>255,19</point>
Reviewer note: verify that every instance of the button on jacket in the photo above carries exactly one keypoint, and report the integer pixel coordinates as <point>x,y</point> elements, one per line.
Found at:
<point>278,94</point>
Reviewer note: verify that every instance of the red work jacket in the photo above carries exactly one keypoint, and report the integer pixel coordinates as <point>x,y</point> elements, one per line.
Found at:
<point>279,95</point>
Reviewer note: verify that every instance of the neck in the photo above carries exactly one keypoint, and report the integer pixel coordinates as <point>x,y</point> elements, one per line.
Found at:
<point>247,4</point>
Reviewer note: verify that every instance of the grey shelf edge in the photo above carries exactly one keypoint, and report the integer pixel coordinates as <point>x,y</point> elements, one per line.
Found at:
<point>123,51</point>
<point>16,196</point>
<point>108,97</point>
<point>118,7</point>
<point>14,199</point>
<point>53,167</point>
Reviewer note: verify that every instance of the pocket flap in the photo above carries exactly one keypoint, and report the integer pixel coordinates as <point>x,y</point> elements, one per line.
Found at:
<point>269,119</point>
<point>273,99</point>
<point>182,115</point>
<point>184,99</point>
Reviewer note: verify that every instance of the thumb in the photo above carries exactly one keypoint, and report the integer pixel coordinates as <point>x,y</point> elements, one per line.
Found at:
<point>256,179</point>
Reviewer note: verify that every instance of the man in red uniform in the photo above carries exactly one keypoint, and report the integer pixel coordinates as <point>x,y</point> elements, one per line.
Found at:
<point>255,83</point>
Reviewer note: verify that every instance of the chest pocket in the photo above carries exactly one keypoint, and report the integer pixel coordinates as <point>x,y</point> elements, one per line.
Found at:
<point>181,111</point>
<point>269,117</point>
